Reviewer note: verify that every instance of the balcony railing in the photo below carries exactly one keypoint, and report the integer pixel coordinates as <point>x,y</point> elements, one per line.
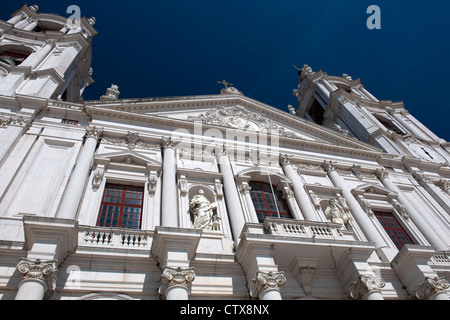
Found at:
<point>114,237</point>
<point>306,229</point>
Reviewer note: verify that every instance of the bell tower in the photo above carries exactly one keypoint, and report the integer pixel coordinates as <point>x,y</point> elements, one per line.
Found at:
<point>45,55</point>
<point>344,105</point>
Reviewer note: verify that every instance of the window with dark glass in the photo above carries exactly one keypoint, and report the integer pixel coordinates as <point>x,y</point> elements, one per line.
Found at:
<point>317,112</point>
<point>393,228</point>
<point>121,207</point>
<point>13,58</point>
<point>266,205</point>
<point>388,124</point>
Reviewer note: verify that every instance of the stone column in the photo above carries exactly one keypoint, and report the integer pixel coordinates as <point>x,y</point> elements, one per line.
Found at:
<point>289,196</point>
<point>36,58</point>
<point>302,197</point>
<point>38,278</point>
<point>360,215</point>
<point>245,190</point>
<point>74,190</point>
<point>410,127</point>
<point>419,222</point>
<point>235,213</point>
<point>31,25</point>
<point>176,282</point>
<point>169,203</point>
<point>267,285</point>
<point>367,287</point>
<point>16,18</point>
<point>432,289</point>
<point>433,190</point>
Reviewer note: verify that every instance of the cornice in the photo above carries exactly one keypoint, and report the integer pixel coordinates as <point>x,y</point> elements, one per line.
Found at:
<point>129,109</point>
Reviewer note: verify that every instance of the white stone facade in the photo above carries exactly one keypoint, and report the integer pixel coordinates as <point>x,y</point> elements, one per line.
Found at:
<point>193,161</point>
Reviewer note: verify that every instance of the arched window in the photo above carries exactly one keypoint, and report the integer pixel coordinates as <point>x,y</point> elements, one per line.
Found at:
<point>265,203</point>
<point>12,58</point>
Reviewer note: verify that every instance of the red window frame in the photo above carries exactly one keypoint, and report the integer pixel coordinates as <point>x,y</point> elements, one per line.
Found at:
<point>121,206</point>
<point>264,204</point>
<point>393,228</point>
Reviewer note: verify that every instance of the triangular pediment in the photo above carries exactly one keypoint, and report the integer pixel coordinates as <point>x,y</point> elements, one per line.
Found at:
<point>127,158</point>
<point>370,188</point>
<point>225,112</point>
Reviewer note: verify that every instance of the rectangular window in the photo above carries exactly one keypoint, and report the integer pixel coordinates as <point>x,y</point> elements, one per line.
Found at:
<point>395,231</point>
<point>121,207</point>
<point>68,121</point>
<point>264,201</point>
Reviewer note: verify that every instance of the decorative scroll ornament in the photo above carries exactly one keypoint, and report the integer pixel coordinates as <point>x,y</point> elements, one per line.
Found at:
<point>366,284</point>
<point>265,281</point>
<point>431,286</point>
<point>44,270</point>
<point>240,118</point>
<point>176,277</point>
<point>97,178</point>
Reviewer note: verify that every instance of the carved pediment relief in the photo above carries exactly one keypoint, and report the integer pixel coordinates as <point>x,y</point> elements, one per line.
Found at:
<point>130,158</point>
<point>239,117</point>
<point>372,189</point>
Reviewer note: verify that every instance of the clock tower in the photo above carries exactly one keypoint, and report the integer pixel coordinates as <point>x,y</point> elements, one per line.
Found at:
<point>344,105</point>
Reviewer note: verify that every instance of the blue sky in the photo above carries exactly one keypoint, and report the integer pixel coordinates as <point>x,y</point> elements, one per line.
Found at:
<point>176,48</point>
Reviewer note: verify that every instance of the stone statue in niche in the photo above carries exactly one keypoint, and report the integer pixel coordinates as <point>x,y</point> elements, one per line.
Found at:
<point>204,212</point>
<point>334,213</point>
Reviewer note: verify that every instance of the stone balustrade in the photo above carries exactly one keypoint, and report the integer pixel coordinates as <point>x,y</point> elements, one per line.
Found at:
<point>306,229</point>
<point>114,237</point>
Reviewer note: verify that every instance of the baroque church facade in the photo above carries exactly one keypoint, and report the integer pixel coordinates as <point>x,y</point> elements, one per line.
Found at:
<point>209,197</point>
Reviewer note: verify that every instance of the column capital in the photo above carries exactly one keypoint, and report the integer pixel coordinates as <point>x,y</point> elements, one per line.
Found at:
<point>285,159</point>
<point>176,277</point>
<point>169,142</point>
<point>37,269</point>
<point>431,286</point>
<point>366,284</point>
<point>381,173</point>
<point>267,281</point>
<point>244,188</point>
<point>329,166</point>
<point>443,184</point>
<point>93,132</point>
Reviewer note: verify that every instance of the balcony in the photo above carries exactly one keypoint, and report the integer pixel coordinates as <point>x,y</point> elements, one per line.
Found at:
<point>307,229</point>
<point>300,240</point>
<point>114,237</point>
